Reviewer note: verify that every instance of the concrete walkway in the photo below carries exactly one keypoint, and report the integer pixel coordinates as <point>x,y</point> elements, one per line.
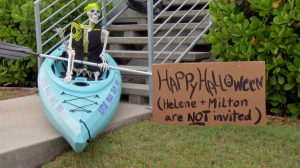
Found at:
<point>28,139</point>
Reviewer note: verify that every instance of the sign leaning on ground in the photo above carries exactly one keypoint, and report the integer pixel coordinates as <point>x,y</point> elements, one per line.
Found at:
<point>209,94</point>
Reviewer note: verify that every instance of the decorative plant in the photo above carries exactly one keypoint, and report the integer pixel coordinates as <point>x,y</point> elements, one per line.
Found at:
<point>262,30</point>
<point>18,27</point>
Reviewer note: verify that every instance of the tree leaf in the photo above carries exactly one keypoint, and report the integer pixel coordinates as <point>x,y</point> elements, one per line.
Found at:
<point>249,32</point>
<point>294,110</point>
<point>298,89</point>
<point>298,79</point>
<point>245,24</point>
<point>297,62</point>
<point>243,49</point>
<point>289,85</point>
<point>282,46</point>
<point>276,51</point>
<point>274,35</point>
<point>269,46</point>
<point>293,68</point>
<point>275,110</point>
<point>261,57</point>
<point>32,83</point>
<point>279,20</point>
<point>255,19</point>
<point>280,79</point>
<point>273,80</point>
<point>269,67</point>
<point>254,25</point>
<point>220,35</point>
<point>261,50</point>
<point>3,73</point>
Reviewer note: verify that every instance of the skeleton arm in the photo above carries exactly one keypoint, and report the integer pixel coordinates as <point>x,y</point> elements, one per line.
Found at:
<point>104,36</point>
<point>61,32</point>
<point>71,55</point>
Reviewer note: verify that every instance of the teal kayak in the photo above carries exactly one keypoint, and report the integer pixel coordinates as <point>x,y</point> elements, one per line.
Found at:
<point>81,109</point>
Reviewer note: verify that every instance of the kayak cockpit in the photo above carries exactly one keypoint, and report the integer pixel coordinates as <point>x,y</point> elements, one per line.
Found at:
<point>59,68</point>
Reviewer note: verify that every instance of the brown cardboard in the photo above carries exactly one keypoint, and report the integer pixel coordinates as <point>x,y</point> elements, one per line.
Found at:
<point>190,104</point>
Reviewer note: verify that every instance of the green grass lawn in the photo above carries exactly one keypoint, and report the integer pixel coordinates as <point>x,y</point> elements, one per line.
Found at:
<point>147,144</point>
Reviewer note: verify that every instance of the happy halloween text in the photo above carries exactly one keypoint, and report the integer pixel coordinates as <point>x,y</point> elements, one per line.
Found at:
<point>213,86</point>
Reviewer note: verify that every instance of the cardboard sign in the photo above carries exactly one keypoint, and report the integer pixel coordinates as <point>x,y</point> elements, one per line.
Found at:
<point>209,94</point>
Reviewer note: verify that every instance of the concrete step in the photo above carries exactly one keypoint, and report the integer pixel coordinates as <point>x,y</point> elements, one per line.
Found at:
<point>138,93</point>
<point>144,40</point>
<point>144,27</point>
<point>28,139</point>
<point>135,89</point>
<point>179,2</point>
<point>166,14</point>
<point>129,54</point>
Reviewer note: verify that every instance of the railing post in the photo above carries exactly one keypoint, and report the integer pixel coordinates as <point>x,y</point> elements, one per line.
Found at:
<point>104,13</point>
<point>38,31</point>
<point>150,46</point>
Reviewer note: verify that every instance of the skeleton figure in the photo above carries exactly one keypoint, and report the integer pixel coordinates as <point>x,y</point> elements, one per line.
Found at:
<point>85,43</point>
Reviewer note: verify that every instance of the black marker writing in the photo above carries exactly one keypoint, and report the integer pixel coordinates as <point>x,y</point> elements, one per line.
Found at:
<point>164,104</point>
<point>213,87</point>
<point>224,103</point>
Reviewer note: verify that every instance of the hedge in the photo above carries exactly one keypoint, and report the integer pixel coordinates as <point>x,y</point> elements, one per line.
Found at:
<point>262,30</point>
<point>18,27</point>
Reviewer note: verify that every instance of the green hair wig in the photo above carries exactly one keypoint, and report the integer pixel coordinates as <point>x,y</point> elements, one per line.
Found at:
<point>92,6</point>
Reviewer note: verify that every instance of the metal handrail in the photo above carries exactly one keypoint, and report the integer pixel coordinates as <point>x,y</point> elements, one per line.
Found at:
<point>150,47</point>
<point>156,31</point>
<point>156,3</point>
<point>177,23</point>
<point>181,32</point>
<point>115,17</point>
<point>194,42</point>
<point>63,17</point>
<point>170,4</point>
<point>48,6</point>
<point>57,12</point>
<point>185,38</point>
<point>104,13</point>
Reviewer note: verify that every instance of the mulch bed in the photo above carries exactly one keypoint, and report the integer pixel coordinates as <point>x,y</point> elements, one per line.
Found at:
<point>6,94</point>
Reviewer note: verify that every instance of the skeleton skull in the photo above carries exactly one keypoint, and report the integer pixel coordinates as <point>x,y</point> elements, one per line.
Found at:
<point>94,15</point>
<point>93,11</point>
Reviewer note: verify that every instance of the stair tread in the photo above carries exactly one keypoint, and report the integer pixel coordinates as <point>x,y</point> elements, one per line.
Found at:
<point>135,86</point>
<point>166,14</point>
<point>167,26</point>
<point>144,40</point>
<point>135,89</point>
<point>179,2</point>
<point>190,56</point>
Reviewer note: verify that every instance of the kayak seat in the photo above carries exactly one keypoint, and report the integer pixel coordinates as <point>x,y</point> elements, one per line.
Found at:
<point>63,75</point>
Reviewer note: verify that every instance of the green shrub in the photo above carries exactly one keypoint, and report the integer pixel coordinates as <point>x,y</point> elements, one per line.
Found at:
<point>262,30</point>
<point>17,26</point>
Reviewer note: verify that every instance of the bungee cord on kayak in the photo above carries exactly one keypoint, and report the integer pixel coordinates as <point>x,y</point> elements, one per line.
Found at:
<point>82,98</point>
